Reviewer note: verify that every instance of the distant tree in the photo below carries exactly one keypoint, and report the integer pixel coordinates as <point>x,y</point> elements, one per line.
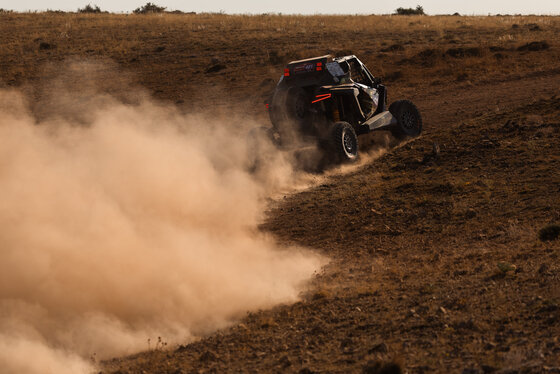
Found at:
<point>149,8</point>
<point>90,9</point>
<point>419,11</point>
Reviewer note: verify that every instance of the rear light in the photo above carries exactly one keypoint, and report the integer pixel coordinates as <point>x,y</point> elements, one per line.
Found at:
<point>321,98</point>
<point>319,66</point>
<point>286,72</point>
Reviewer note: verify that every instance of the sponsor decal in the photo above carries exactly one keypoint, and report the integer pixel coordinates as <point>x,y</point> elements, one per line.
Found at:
<point>304,68</point>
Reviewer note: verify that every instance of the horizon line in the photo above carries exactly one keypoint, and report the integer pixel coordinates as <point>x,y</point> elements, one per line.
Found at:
<point>220,12</point>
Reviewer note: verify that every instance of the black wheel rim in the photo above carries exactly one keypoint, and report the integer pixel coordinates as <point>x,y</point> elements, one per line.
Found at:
<point>408,121</point>
<point>349,143</point>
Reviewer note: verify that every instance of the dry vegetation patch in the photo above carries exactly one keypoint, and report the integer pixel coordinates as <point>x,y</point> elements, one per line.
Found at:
<point>170,53</point>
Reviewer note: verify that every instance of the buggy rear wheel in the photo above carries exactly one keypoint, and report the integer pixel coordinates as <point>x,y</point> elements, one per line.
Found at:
<point>260,141</point>
<point>292,104</point>
<point>343,142</point>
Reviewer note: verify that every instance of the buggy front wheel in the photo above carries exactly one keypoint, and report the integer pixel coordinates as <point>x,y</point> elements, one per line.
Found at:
<point>409,120</point>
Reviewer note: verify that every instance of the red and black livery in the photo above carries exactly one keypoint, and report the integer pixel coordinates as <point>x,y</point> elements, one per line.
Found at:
<point>334,100</point>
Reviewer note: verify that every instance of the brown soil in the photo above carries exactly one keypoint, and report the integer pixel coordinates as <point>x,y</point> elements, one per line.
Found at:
<point>436,258</point>
<point>436,261</point>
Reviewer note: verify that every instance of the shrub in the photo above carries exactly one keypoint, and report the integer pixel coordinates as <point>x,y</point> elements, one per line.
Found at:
<point>43,46</point>
<point>149,8</point>
<point>461,52</point>
<point>419,11</point>
<point>393,48</point>
<point>534,46</point>
<point>549,232</point>
<point>275,58</point>
<point>90,9</point>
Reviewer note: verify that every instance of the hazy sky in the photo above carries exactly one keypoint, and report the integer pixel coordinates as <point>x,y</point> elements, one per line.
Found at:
<point>306,7</point>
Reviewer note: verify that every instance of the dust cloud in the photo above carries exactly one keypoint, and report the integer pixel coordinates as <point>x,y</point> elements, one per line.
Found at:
<point>130,223</point>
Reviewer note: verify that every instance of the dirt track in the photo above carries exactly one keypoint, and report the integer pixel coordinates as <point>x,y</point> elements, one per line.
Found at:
<point>423,251</point>
<point>447,106</point>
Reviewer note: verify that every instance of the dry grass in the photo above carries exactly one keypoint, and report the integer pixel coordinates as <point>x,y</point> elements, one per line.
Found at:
<point>170,52</point>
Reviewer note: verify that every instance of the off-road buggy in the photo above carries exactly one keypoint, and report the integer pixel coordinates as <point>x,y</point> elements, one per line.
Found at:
<point>332,101</point>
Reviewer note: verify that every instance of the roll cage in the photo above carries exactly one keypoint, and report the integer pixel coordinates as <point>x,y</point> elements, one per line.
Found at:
<point>358,72</point>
